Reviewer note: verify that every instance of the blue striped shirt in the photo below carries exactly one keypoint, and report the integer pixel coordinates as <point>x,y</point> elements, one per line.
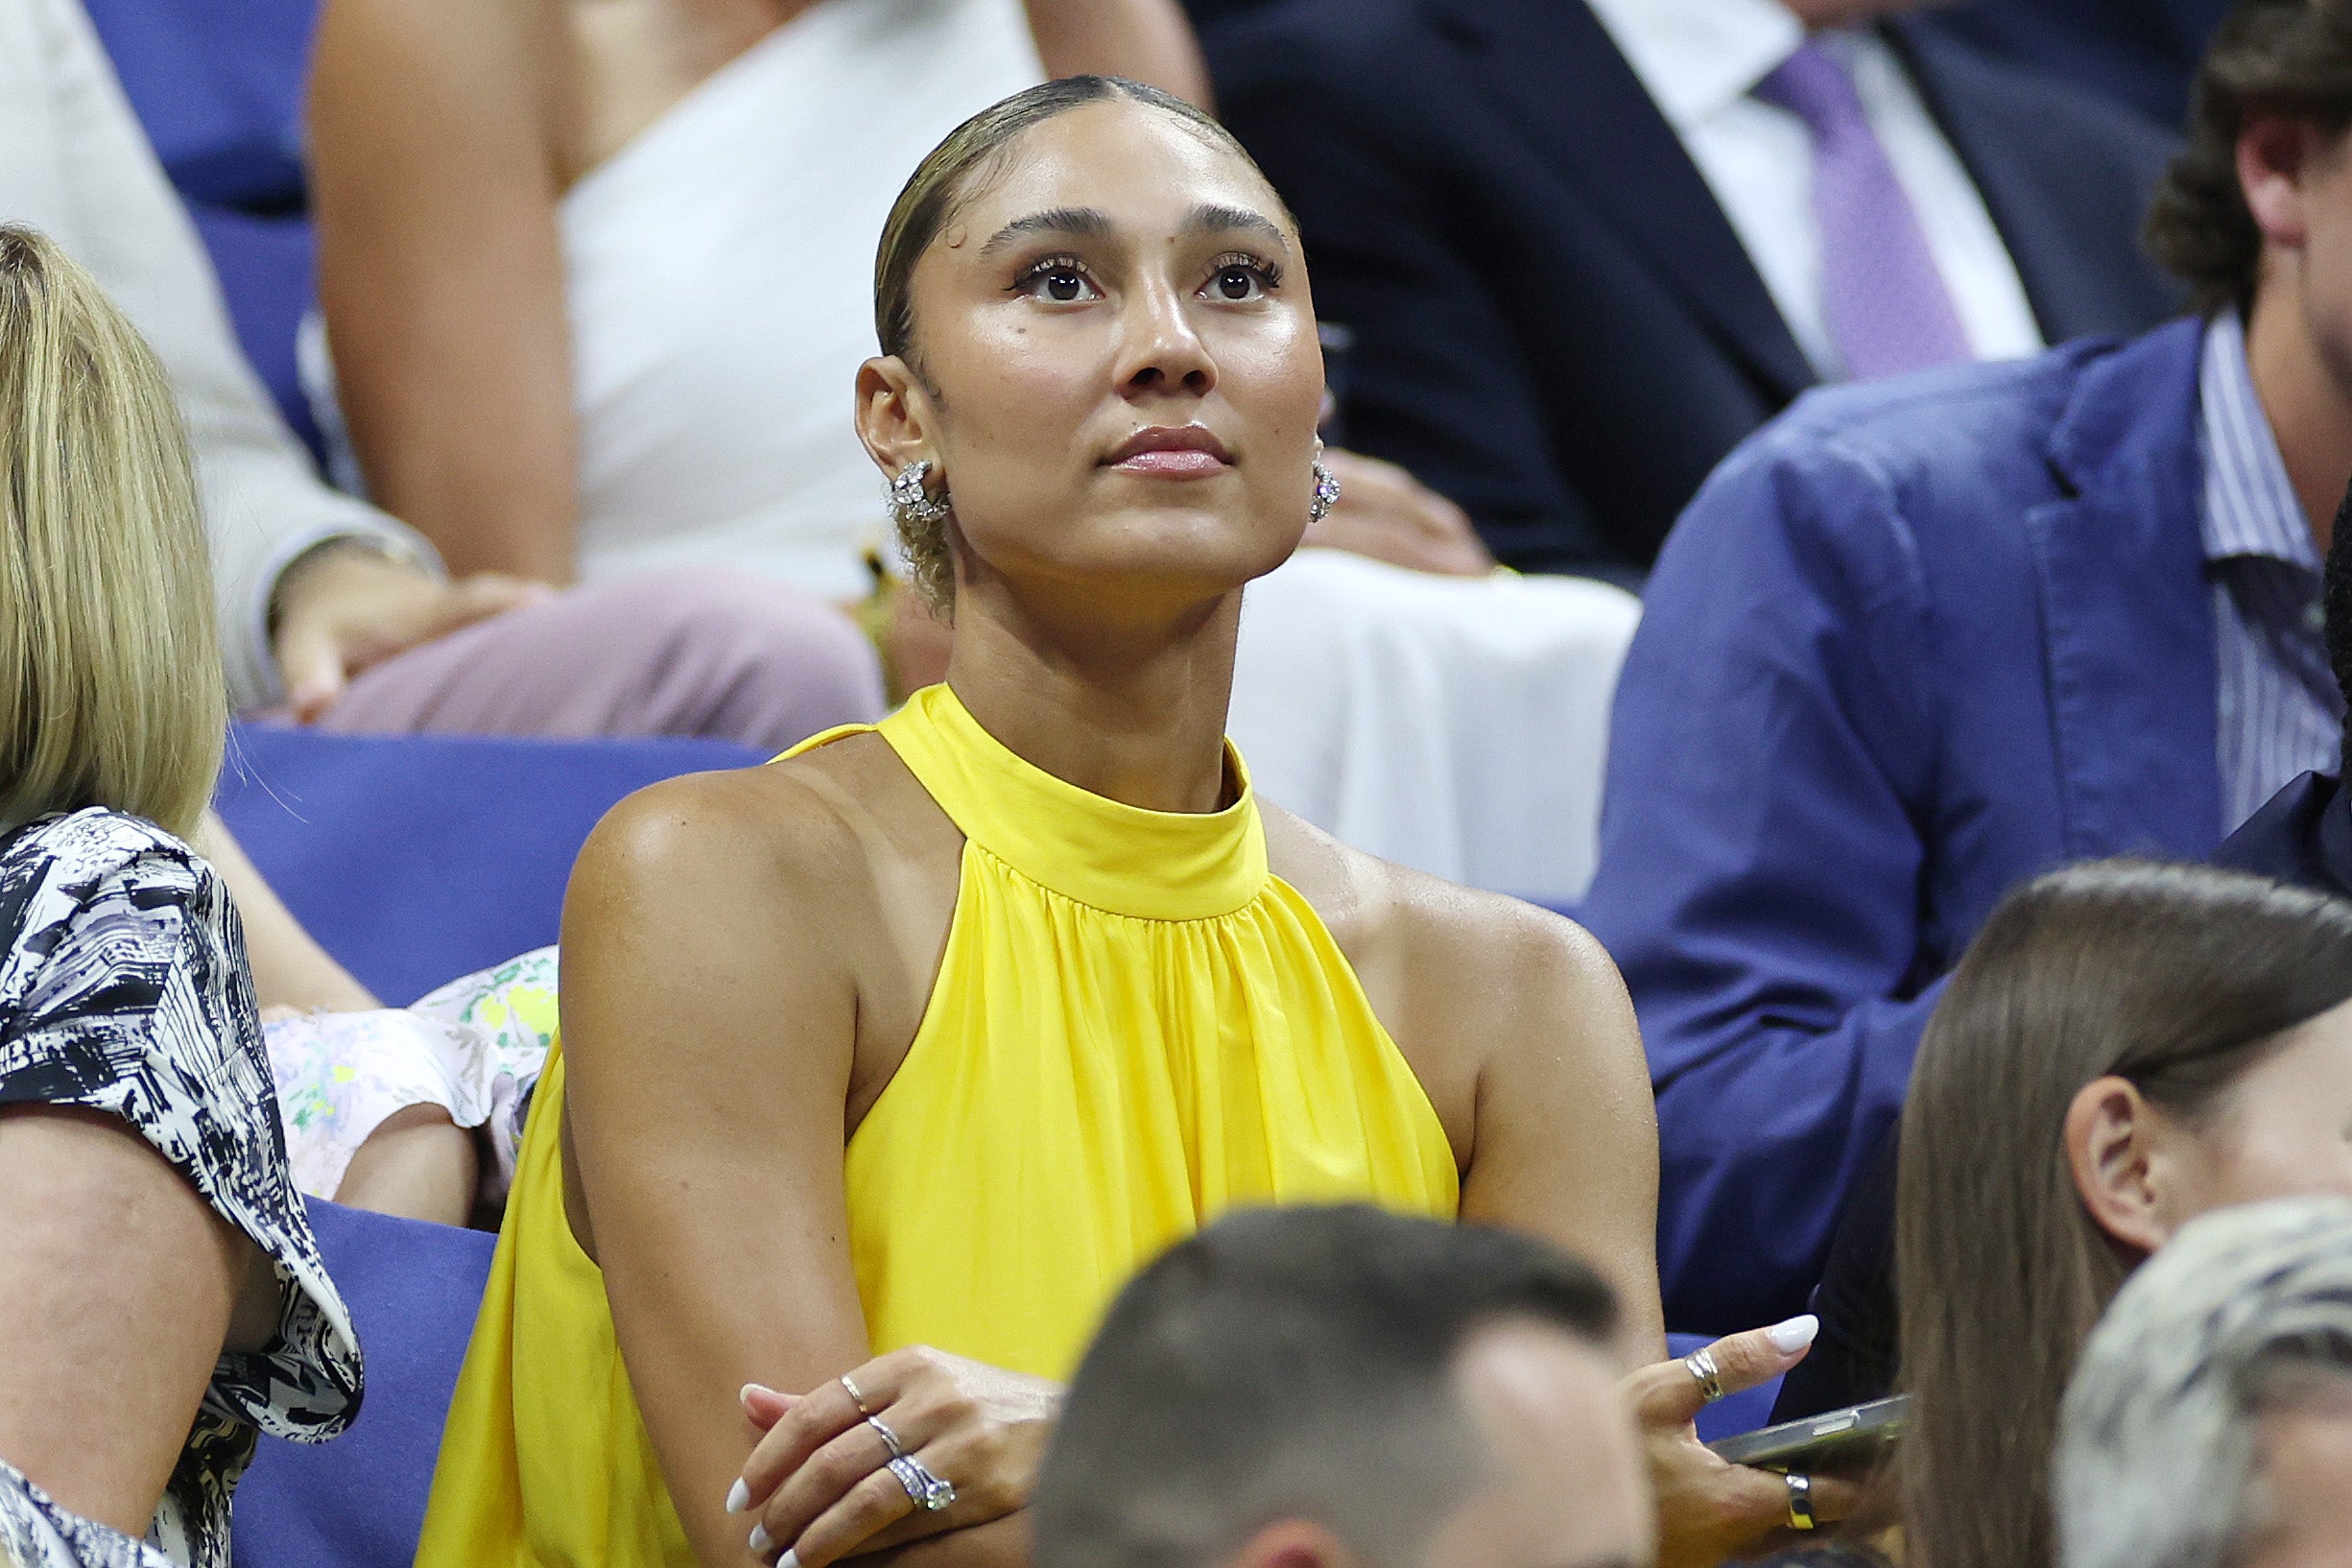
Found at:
<point>2281,713</point>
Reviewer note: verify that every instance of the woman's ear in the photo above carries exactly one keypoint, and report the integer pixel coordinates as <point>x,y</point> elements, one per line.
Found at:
<point>895,414</point>
<point>2112,1139</point>
<point>2274,154</point>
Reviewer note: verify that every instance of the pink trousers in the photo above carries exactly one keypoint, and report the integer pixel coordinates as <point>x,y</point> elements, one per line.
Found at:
<point>688,652</point>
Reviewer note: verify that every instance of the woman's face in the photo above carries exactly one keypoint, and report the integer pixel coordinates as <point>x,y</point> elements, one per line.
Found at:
<point>2284,1128</point>
<point>1118,376</point>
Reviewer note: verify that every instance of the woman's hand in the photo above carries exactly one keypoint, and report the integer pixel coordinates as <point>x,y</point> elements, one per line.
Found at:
<point>1708,1510</point>
<point>819,1485</point>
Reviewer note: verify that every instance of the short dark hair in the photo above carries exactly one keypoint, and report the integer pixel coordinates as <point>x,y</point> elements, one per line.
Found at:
<point>1290,1363</point>
<point>2270,57</point>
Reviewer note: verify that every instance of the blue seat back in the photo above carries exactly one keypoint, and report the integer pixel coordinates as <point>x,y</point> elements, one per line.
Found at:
<point>416,859</point>
<point>359,1501</point>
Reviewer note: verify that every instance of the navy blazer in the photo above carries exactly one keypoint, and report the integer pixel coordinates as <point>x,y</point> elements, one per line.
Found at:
<point>1554,324</point>
<point>1915,642</point>
<point>2138,51</point>
<point>2302,835</point>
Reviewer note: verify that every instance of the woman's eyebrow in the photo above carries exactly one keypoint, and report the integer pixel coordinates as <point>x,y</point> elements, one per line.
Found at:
<point>1080,220</point>
<point>1212,219</point>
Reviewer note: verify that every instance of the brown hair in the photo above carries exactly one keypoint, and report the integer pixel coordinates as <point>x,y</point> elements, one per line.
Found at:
<point>2176,978</point>
<point>2270,57</point>
<point>973,154</point>
<point>111,692</point>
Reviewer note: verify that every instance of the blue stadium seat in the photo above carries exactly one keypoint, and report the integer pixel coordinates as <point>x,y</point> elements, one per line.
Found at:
<point>416,859</point>
<point>359,1502</point>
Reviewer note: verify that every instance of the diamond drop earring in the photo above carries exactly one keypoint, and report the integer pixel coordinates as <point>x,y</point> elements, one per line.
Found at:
<point>911,504</point>
<point>1326,493</point>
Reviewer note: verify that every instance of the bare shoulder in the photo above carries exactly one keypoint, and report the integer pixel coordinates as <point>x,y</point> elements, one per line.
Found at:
<point>1450,947</point>
<point>769,843</point>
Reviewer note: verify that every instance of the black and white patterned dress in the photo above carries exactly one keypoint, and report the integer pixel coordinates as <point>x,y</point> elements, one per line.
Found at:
<point>123,989</point>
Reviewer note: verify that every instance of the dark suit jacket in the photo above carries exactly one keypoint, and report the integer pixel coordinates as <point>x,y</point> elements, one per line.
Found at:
<point>2138,51</point>
<point>2302,836</point>
<point>1916,641</point>
<point>1555,322</point>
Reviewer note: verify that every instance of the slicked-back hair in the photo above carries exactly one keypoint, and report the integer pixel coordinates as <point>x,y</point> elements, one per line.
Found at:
<point>1292,1364</point>
<point>2270,57</point>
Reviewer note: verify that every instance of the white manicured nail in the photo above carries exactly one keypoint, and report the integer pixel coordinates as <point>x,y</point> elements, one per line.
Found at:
<point>790,1560</point>
<point>1795,1335</point>
<point>738,1496</point>
<point>759,1541</point>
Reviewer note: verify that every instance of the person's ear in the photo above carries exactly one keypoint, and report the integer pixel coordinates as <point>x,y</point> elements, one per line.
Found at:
<point>1292,1543</point>
<point>895,415</point>
<point>2112,1147</point>
<point>2275,153</point>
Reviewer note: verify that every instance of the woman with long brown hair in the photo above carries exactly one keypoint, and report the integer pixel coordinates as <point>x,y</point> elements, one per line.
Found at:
<point>2124,1046</point>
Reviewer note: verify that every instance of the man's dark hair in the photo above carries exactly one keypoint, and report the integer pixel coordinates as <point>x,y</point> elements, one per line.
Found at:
<point>2270,57</point>
<point>1290,1363</point>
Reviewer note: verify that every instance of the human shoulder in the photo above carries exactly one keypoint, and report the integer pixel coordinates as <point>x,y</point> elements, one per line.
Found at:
<point>807,827</point>
<point>1446,951</point>
<point>57,866</point>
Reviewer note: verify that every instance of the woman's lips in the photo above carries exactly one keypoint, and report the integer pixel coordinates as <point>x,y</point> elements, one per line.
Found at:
<point>1172,452</point>
<point>1174,462</point>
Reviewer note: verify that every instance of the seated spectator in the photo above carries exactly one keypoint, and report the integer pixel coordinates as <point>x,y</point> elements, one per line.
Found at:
<point>1586,246</point>
<point>2209,1423</point>
<point>2143,52</point>
<point>333,609</point>
<point>1326,1387</point>
<point>1061,988</point>
<point>562,349</point>
<point>1917,643</point>
<point>161,1296</point>
<point>2126,1046</point>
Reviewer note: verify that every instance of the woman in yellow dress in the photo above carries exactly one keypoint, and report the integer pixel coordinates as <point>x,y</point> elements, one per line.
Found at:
<point>884,1065</point>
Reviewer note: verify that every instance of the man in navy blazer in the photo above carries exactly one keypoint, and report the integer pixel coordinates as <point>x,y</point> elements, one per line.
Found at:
<point>1923,639</point>
<point>1555,324</point>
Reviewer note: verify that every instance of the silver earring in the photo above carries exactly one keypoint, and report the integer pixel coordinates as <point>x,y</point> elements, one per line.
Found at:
<point>1326,493</point>
<point>911,504</point>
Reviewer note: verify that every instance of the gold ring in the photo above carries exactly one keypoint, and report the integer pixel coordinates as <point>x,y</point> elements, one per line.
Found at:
<point>1701,1364</point>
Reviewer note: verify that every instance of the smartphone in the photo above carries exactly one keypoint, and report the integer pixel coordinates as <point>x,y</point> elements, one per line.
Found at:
<point>1839,1443</point>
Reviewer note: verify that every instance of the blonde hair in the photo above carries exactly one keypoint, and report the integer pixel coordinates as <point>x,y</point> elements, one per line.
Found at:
<point>111,692</point>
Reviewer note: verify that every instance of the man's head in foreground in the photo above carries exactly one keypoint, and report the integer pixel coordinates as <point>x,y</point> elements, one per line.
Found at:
<point>1340,1388</point>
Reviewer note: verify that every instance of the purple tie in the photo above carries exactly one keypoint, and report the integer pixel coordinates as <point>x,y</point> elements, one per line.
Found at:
<point>1887,308</point>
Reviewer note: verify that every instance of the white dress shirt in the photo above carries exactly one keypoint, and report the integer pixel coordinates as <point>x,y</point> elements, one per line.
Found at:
<point>1701,60</point>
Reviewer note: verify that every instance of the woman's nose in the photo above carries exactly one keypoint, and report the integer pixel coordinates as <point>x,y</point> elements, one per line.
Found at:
<point>1162,351</point>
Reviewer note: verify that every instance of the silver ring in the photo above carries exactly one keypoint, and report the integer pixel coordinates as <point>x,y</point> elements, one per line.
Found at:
<point>856,1398</point>
<point>927,1491</point>
<point>1701,1364</point>
<point>889,1439</point>
<point>1800,1502</point>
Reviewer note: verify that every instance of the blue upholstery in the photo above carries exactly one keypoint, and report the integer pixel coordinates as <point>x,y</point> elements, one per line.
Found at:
<point>218,85</point>
<point>359,1502</point>
<point>416,859</point>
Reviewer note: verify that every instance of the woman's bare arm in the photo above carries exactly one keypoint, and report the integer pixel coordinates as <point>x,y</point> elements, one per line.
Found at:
<point>118,1287</point>
<point>435,126</point>
<point>290,968</point>
<point>1145,40</point>
<point>1566,1136</point>
<point>709,1025</point>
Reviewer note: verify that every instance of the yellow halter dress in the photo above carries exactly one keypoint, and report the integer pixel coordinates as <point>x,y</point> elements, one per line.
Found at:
<point>1135,1026</point>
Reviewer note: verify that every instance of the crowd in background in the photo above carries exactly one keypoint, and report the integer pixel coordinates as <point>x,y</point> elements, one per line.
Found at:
<point>1772,571</point>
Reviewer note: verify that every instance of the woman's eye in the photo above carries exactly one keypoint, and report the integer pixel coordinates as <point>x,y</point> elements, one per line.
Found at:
<point>1236,283</point>
<point>1064,285</point>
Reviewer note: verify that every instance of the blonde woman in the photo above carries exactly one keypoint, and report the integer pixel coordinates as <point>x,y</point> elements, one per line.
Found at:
<point>161,1296</point>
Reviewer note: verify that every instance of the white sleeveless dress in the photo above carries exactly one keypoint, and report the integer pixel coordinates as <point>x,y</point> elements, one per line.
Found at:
<point>721,280</point>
